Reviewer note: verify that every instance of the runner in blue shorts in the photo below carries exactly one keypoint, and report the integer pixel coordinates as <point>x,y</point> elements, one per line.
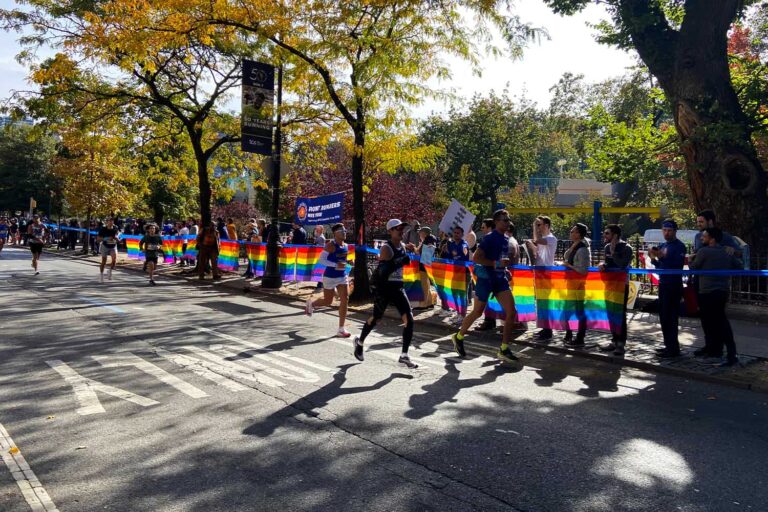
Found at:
<point>491,260</point>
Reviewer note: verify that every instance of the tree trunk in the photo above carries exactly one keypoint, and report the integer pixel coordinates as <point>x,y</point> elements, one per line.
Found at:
<point>692,68</point>
<point>362,289</point>
<point>204,182</point>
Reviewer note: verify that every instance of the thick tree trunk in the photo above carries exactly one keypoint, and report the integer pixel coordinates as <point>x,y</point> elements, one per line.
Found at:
<point>362,290</point>
<point>204,184</point>
<point>692,68</point>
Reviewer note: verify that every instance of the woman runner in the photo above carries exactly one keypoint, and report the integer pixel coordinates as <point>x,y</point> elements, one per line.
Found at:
<point>334,257</point>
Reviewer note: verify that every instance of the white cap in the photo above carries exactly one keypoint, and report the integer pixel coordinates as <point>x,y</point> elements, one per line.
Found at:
<point>393,223</point>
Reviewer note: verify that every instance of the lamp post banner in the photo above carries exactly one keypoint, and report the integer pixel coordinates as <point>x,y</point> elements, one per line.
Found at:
<point>257,107</point>
<point>312,211</point>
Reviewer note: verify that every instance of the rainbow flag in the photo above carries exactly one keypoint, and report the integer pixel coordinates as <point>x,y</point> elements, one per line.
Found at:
<point>564,296</point>
<point>412,281</point>
<point>132,243</point>
<point>306,262</point>
<point>287,262</point>
<point>257,257</point>
<point>522,284</point>
<point>172,246</point>
<point>229,255</point>
<point>191,252</point>
<point>318,270</point>
<point>451,283</point>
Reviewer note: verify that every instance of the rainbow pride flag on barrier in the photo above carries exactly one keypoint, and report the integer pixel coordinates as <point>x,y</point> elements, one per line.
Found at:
<point>257,257</point>
<point>451,283</point>
<point>229,254</point>
<point>521,282</point>
<point>306,261</point>
<point>564,296</point>
<point>190,253</point>
<point>172,247</point>
<point>412,282</point>
<point>132,244</point>
<point>287,262</point>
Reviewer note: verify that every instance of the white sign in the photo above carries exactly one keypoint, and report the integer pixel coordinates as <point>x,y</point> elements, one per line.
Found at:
<point>457,215</point>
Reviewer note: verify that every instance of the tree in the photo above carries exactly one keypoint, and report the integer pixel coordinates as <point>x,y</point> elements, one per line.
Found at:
<point>495,138</point>
<point>26,153</point>
<point>684,44</point>
<point>107,57</point>
<point>371,58</point>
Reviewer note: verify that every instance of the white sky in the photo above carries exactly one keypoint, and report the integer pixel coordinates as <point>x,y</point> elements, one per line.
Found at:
<point>572,48</point>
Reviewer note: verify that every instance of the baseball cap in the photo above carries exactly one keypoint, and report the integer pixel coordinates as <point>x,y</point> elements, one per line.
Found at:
<point>393,223</point>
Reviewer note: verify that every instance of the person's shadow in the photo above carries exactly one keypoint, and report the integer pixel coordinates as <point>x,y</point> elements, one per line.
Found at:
<point>317,399</point>
<point>447,387</point>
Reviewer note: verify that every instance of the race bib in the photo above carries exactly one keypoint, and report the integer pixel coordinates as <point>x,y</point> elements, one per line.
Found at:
<point>152,247</point>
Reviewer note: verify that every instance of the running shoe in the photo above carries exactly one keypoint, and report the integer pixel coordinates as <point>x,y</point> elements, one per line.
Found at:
<point>444,313</point>
<point>486,325</point>
<point>458,345</point>
<point>308,307</point>
<point>152,282</point>
<point>358,348</point>
<point>343,332</point>
<point>507,355</point>
<point>404,359</point>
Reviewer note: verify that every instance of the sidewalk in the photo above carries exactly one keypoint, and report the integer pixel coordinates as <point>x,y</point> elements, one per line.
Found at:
<point>644,332</point>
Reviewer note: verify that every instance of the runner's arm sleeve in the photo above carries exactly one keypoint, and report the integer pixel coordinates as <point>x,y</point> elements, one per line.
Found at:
<point>323,259</point>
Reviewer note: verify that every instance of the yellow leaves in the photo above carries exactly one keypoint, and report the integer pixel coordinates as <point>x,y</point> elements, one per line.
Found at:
<point>13,450</point>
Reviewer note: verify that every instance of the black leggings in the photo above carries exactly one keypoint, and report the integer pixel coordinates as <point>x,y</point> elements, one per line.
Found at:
<point>391,293</point>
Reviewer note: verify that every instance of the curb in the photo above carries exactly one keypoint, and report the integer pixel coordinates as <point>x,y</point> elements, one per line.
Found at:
<point>483,346</point>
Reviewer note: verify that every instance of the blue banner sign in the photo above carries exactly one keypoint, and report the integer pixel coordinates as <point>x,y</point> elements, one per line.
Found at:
<point>312,211</point>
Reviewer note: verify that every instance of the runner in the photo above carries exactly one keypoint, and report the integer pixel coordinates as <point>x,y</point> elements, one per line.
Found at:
<point>36,235</point>
<point>491,260</point>
<point>334,257</point>
<point>3,232</point>
<point>108,236</point>
<point>13,229</point>
<point>388,289</point>
<point>151,244</point>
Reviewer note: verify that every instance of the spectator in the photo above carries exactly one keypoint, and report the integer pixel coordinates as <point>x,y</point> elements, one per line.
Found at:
<point>319,236</point>
<point>577,259</point>
<point>298,236</point>
<point>541,249</point>
<point>263,230</point>
<point>707,219</point>
<point>426,250</point>
<point>669,256</point>
<point>618,256</point>
<point>457,250</point>
<point>221,228</point>
<point>411,234</point>
<point>231,229</point>
<point>208,244</point>
<point>713,296</point>
<point>184,233</point>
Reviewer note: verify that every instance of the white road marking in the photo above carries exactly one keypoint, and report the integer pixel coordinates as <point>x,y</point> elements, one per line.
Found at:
<point>101,304</point>
<point>200,368</point>
<point>31,488</point>
<point>85,390</point>
<point>123,359</point>
<point>235,355</point>
<point>221,365</point>
<point>251,345</point>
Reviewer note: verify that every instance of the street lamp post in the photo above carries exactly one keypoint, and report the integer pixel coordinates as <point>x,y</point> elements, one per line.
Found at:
<point>272,277</point>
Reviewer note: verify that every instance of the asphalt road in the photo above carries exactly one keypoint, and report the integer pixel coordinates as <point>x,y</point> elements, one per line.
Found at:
<point>183,397</point>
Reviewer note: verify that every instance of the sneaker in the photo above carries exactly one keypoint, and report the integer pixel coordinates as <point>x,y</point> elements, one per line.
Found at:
<point>568,337</point>
<point>458,345</point>
<point>727,362</point>
<point>608,347</point>
<point>445,313</point>
<point>308,307</point>
<point>507,355</point>
<point>404,359</point>
<point>152,282</point>
<point>619,350</point>
<point>486,326</point>
<point>577,343</point>
<point>358,348</point>
<point>343,332</point>
<point>544,334</point>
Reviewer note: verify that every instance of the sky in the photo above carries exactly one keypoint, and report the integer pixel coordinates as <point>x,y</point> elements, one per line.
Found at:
<point>571,48</point>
